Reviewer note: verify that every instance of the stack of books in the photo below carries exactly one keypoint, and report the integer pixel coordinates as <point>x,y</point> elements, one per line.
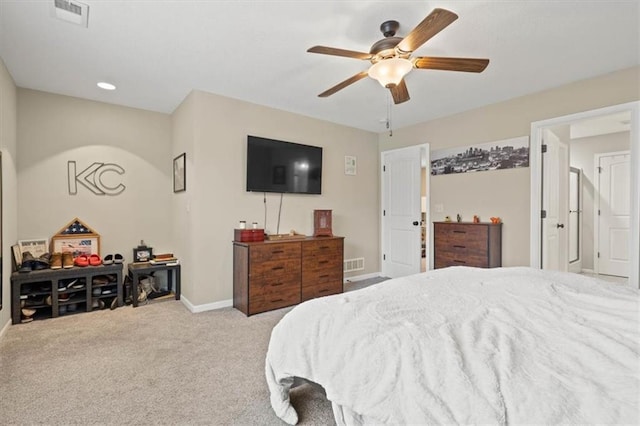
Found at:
<point>164,259</point>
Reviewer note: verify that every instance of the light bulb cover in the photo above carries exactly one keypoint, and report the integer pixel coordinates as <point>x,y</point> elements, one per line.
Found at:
<point>390,72</point>
<point>106,86</point>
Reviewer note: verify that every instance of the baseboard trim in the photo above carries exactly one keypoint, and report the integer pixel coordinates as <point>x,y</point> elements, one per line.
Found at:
<point>362,277</point>
<point>588,271</point>
<point>4,329</point>
<point>207,306</point>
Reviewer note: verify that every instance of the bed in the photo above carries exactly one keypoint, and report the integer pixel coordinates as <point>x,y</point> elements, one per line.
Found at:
<point>464,345</point>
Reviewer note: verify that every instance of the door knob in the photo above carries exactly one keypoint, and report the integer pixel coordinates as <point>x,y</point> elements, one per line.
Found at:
<point>560,225</point>
<point>416,223</point>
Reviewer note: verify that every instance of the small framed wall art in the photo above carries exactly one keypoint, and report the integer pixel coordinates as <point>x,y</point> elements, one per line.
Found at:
<point>350,165</point>
<point>180,173</point>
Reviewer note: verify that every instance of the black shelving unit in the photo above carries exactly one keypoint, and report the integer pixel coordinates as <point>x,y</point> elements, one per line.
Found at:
<point>53,293</point>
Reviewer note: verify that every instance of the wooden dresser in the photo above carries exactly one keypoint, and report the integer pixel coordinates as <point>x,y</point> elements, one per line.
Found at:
<point>467,244</point>
<point>273,274</point>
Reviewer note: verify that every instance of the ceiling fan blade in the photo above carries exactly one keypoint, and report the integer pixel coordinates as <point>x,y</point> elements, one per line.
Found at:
<point>400,93</point>
<point>344,84</point>
<point>339,52</point>
<point>451,64</point>
<point>437,20</point>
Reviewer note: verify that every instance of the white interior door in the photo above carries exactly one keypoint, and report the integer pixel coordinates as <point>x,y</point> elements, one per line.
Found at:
<point>401,199</point>
<point>614,210</point>
<point>555,188</point>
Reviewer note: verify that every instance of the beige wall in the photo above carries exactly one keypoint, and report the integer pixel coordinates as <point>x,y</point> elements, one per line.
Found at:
<point>9,204</point>
<point>55,129</point>
<point>506,193</point>
<point>582,154</point>
<point>216,198</point>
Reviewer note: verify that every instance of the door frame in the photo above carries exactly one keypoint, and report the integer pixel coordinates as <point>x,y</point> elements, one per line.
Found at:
<point>424,148</point>
<point>535,161</point>
<point>596,207</point>
<point>576,266</point>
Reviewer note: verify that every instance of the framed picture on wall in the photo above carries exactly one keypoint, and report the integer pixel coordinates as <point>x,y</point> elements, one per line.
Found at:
<point>180,173</point>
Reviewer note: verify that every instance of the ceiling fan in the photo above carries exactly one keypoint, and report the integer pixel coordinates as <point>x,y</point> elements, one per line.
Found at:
<point>391,56</point>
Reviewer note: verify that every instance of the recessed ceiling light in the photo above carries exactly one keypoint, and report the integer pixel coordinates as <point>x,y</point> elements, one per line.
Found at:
<point>106,86</point>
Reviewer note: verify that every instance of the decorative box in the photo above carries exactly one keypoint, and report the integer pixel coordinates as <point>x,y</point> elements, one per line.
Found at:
<point>248,235</point>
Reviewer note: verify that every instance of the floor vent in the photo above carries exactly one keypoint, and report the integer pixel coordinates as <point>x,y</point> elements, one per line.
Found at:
<point>71,11</point>
<point>351,265</point>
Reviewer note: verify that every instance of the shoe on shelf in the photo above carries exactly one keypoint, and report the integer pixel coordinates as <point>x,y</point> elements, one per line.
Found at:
<point>82,260</point>
<point>67,260</point>
<point>94,260</point>
<point>114,303</point>
<point>69,284</point>
<point>98,304</point>
<point>100,280</point>
<point>96,291</point>
<point>56,261</point>
<point>27,262</point>
<point>108,260</point>
<point>117,258</point>
<point>41,262</point>
<point>28,313</point>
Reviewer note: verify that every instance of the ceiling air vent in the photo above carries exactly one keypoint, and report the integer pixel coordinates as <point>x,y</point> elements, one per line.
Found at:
<point>71,11</point>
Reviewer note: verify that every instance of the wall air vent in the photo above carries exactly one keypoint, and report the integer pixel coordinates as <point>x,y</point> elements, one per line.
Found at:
<point>356,264</point>
<point>71,11</point>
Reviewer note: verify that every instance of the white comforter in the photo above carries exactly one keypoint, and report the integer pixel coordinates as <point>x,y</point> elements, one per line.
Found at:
<point>464,345</point>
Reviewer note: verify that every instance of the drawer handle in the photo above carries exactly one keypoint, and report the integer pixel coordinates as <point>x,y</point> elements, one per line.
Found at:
<point>277,300</point>
<point>275,268</point>
<point>324,290</point>
<point>459,261</point>
<point>460,232</point>
<point>276,284</point>
<point>323,261</point>
<point>456,246</point>
<point>324,276</point>
<point>324,247</point>
<point>277,251</point>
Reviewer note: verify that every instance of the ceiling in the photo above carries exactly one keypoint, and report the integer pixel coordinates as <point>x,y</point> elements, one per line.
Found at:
<point>156,52</point>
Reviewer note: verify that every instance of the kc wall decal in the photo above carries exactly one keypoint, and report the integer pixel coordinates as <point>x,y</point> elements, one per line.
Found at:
<point>92,178</point>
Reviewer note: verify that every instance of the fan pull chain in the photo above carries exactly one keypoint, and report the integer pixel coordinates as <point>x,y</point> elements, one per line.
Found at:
<point>389,127</point>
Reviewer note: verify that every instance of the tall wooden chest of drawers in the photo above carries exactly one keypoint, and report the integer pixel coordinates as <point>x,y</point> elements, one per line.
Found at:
<point>273,274</point>
<point>467,244</point>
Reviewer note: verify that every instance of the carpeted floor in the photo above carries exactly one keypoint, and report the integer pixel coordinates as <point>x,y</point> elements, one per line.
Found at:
<point>157,364</point>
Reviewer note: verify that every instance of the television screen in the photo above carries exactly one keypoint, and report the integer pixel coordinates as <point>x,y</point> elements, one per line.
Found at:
<point>277,166</point>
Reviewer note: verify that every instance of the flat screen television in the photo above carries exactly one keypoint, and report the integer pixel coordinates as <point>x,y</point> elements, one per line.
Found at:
<point>285,167</point>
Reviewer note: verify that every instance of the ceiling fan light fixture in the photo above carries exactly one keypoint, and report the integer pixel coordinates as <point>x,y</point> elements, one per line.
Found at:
<point>390,72</point>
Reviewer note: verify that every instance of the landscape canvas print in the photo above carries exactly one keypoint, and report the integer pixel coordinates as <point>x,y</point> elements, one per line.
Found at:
<point>504,154</point>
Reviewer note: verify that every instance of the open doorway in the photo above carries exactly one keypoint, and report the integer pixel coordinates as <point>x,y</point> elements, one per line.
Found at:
<point>597,142</point>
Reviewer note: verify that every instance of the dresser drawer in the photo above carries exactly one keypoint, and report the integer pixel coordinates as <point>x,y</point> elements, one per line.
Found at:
<point>321,289</point>
<point>269,285</point>
<point>311,249</point>
<point>267,252</point>
<point>266,302</point>
<point>321,263</point>
<point>462,236</point>
<point>275,267</point>
<point>444,259</point>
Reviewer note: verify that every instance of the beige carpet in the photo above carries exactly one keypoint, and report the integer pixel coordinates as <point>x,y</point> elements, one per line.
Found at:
<point>156,364</point>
